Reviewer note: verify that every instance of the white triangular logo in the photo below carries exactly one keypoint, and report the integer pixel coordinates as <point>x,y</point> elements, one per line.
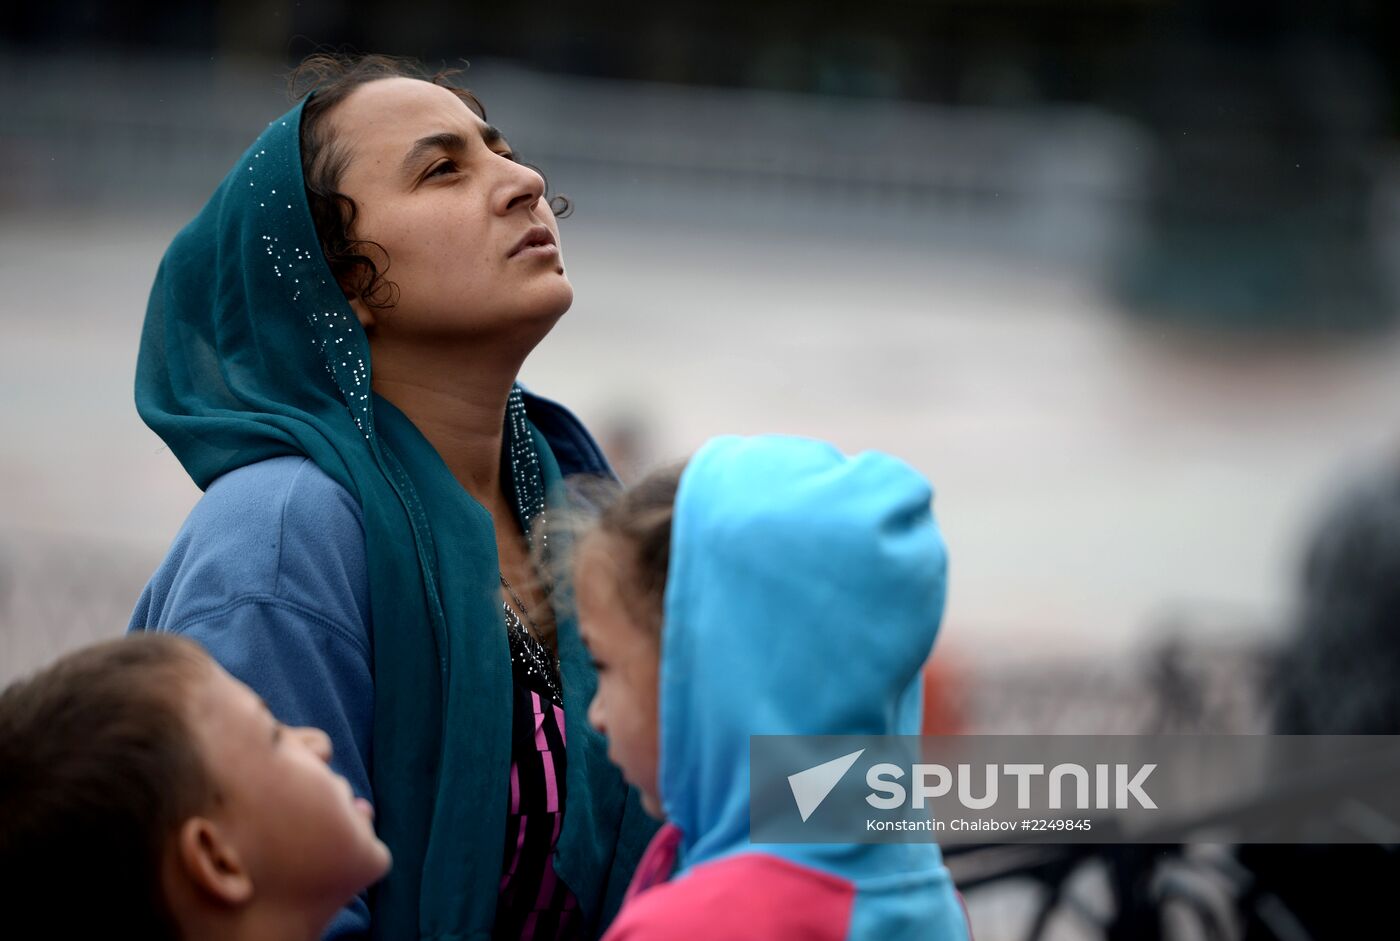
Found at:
<point>810,787</point>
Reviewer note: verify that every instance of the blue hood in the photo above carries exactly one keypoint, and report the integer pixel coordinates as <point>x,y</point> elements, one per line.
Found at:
<point>804,594</point>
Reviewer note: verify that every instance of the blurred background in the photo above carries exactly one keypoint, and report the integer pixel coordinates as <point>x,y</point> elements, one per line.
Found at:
<point>1121,276</point>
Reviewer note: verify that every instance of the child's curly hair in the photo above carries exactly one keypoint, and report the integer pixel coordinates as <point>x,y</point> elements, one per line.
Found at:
<point>641,519</point>
<point>638,520</point>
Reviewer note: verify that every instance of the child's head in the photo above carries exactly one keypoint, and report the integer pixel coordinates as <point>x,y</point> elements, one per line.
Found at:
<point>718,602</point>
<point>620,582</point>
<point>144,787</point>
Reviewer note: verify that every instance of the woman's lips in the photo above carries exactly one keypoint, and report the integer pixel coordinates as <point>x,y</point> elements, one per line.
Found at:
<point>537,242</point>
<point>364,807</point>
<point>538,251</point>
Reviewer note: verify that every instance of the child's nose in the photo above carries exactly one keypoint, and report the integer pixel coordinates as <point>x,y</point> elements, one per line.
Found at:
<point>319,742</point>
<point>595,716</point>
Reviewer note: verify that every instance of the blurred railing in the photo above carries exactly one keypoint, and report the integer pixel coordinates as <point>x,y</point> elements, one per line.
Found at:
<point>124,134</point>
<point>1070,186</point>
<point>1179,685</point>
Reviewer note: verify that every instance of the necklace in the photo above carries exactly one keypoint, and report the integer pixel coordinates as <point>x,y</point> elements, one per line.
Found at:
<point>534,628</point>
<point>526,649</point>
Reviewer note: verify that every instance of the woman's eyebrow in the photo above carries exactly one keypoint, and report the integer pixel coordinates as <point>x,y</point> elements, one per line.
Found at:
<point>491,134</point>
<point>449,141</point>
<point>446,140</point>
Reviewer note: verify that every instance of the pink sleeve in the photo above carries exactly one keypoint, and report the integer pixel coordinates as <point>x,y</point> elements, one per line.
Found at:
<point>657,863</point>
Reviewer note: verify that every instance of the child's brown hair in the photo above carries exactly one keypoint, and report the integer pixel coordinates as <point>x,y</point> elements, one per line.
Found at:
<point>639,518</point>
<point>98,768</point>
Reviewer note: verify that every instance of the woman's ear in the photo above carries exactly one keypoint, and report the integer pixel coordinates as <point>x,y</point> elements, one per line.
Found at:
<point>211,862</point>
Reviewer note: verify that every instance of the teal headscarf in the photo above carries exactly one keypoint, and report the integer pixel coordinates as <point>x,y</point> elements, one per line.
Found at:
<point>250,351</point>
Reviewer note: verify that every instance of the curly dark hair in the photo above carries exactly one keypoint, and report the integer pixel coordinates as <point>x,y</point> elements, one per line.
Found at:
<point>359,265</point>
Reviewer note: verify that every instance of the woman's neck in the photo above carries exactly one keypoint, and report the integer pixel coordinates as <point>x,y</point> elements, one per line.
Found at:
<point>458,402</point>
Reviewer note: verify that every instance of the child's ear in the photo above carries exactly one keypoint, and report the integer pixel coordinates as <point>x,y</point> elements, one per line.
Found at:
<point>210,860</point>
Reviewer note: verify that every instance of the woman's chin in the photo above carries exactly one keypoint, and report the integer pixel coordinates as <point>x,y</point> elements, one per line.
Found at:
<point>564,297</point>
<point>549,301</point>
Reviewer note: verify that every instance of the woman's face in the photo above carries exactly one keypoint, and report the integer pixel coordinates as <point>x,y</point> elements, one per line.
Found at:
<point>472,245</point>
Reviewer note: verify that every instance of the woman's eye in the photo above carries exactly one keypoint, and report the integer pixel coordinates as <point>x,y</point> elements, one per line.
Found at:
<point>508,154</point>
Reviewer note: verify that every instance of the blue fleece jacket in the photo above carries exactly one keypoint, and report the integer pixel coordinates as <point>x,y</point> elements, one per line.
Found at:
<point>269,574</point>
<point>804,594</point>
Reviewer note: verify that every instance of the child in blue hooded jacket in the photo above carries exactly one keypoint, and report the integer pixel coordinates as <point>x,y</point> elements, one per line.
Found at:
<point>773,586</point>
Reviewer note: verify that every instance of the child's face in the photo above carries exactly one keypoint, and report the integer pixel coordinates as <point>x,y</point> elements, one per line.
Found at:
<point>301,834</point>
<point>627,658</point>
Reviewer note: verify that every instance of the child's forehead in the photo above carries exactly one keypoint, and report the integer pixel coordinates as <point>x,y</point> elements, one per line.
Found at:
<point>217,699</point>
<point>599,548</point>
<point>600,566</point>
<point>611,608</point>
